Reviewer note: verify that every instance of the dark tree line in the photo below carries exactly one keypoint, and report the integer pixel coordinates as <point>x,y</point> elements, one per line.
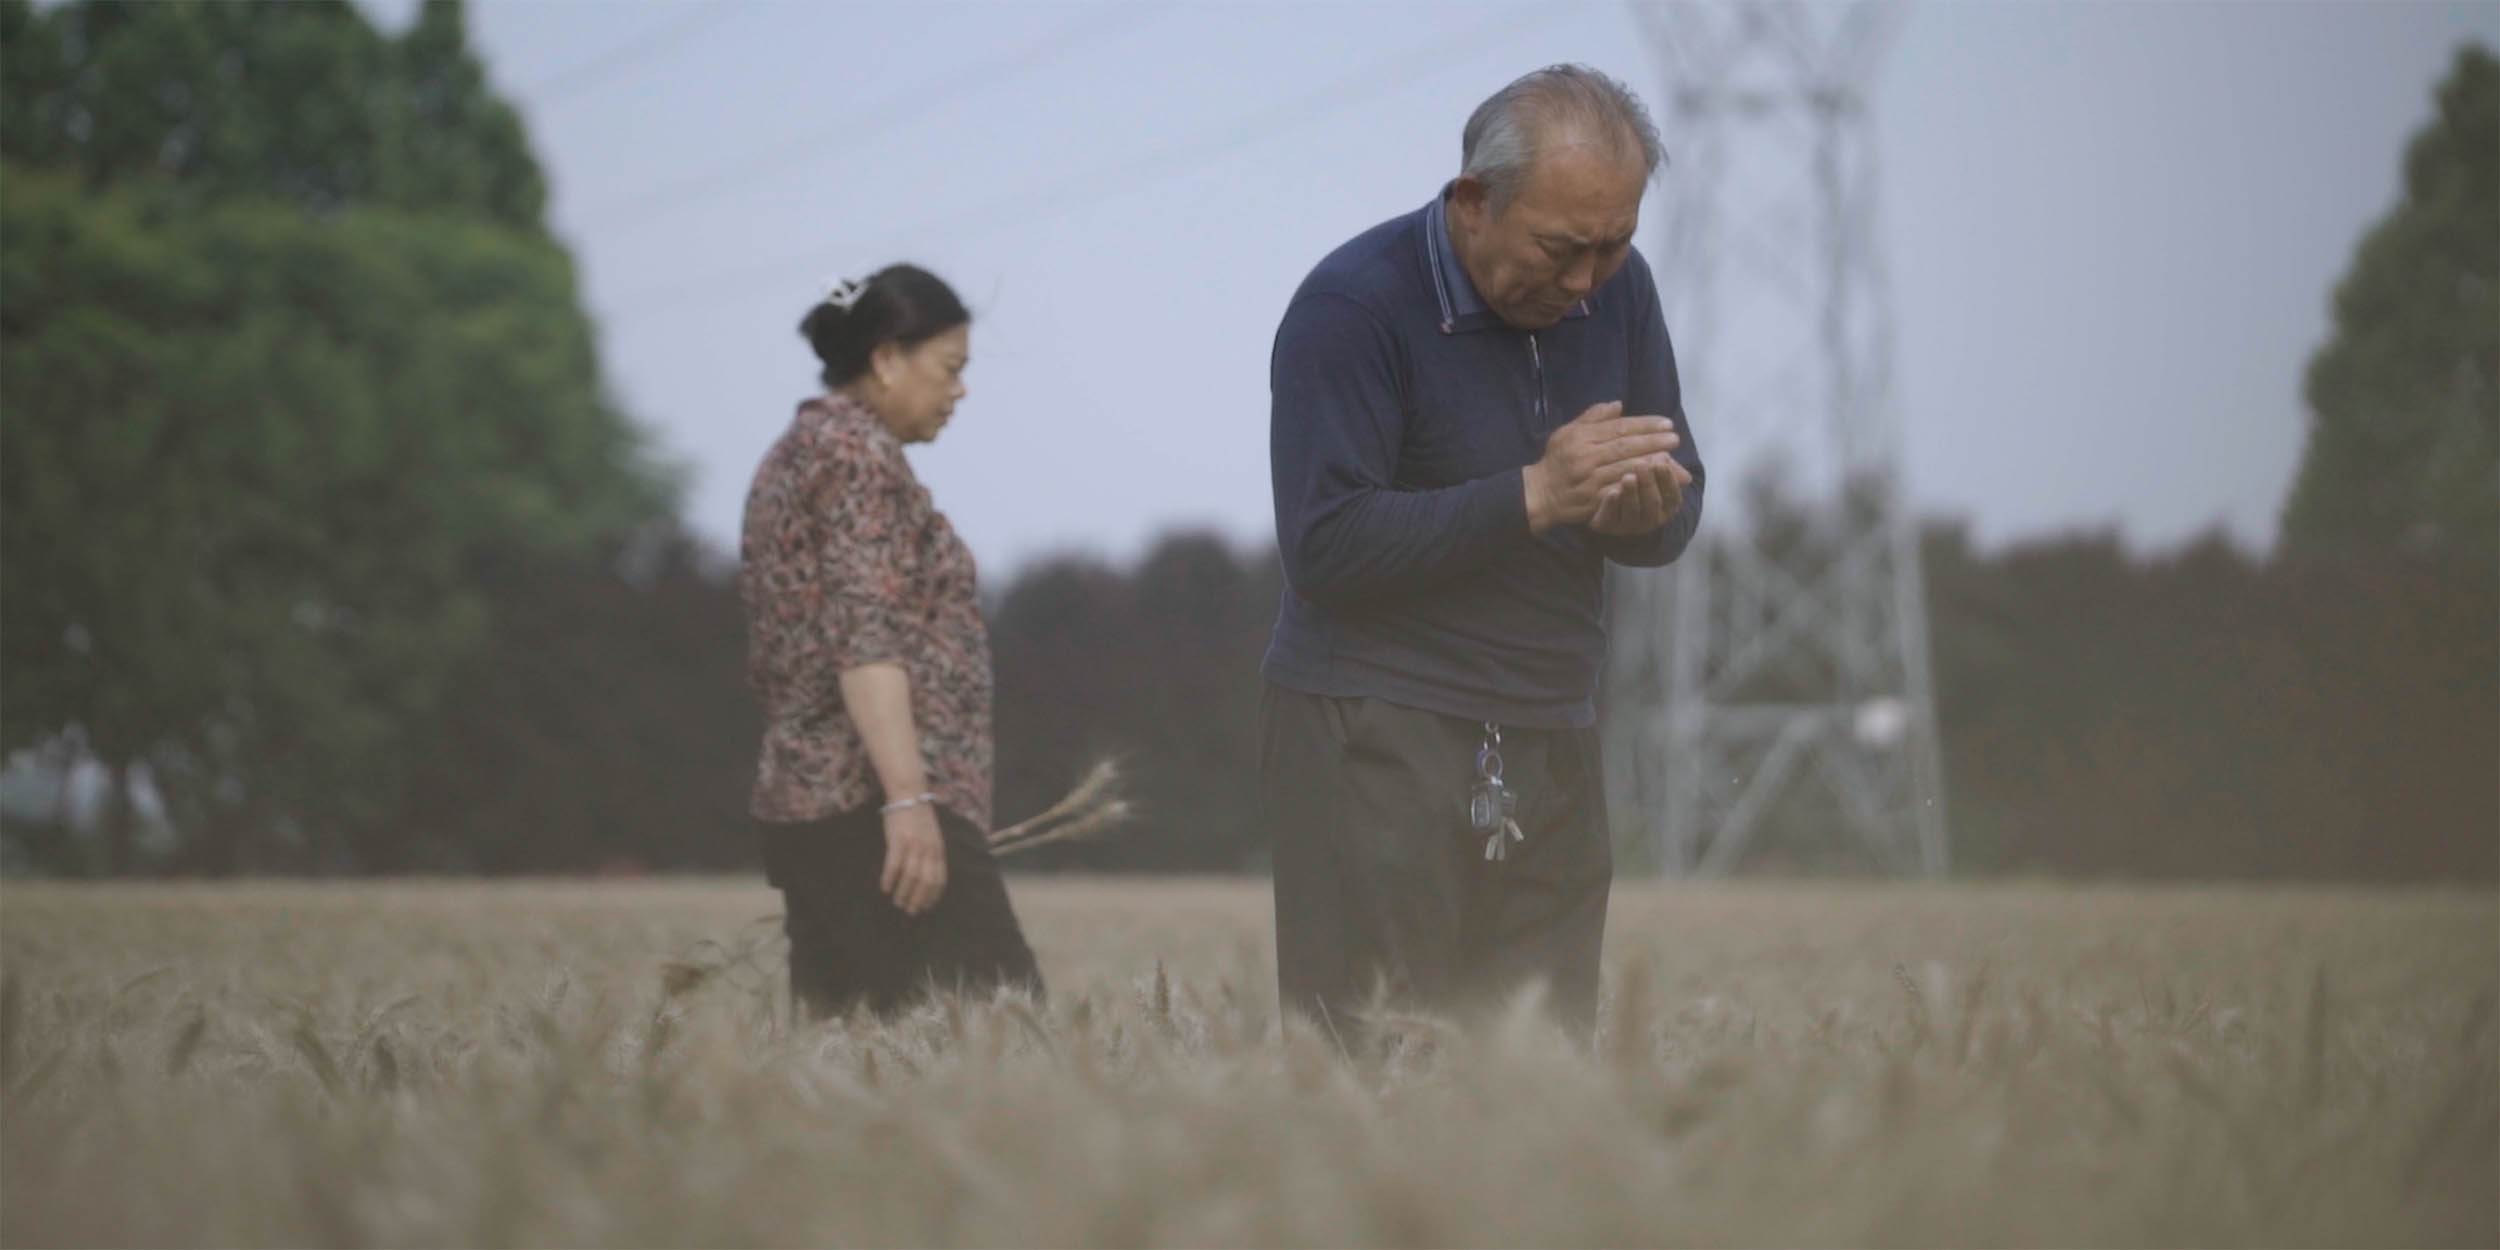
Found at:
<point>2197,714</point>
<point>2204,714</point>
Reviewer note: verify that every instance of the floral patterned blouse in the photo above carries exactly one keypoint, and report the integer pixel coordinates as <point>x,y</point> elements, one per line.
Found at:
<point>845,562</point>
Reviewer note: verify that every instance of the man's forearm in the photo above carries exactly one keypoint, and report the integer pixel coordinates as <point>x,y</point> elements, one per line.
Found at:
<point>1544,513</point>
<point>1382,542</point>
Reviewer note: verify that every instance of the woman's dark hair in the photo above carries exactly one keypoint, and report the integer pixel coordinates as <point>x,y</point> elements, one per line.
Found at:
<point>903,304</point>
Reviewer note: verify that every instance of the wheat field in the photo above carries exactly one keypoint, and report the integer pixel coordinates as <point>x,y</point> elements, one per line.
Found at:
<point>612,1064</point>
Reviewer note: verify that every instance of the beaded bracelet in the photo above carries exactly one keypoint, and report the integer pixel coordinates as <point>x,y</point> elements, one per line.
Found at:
<point>902,805</point>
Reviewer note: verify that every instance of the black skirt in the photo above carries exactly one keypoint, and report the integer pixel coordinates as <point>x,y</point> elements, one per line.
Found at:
<point>851,947</point>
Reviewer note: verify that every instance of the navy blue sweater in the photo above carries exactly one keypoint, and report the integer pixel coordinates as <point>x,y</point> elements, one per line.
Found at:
<point>1402,414</point>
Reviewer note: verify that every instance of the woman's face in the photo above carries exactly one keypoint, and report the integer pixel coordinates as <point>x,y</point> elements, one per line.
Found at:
<point>918,385</point>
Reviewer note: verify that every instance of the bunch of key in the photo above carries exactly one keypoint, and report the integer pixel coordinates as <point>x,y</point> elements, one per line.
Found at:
<point>1492,809</point>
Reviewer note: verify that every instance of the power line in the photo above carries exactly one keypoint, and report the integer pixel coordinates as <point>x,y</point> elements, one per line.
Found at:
<point>582,76</point>
<point>856,129</point>
<point>1058,199</point>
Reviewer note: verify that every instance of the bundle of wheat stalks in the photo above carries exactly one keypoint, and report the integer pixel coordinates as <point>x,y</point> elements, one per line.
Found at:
<point>1094,807</point>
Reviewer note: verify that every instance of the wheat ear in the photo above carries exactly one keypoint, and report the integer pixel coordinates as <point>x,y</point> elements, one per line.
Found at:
<point>1093,807</point>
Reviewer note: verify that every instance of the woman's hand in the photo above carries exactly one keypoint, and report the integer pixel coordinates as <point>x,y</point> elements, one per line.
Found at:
<point>915,859</point>
<point>878,697</point>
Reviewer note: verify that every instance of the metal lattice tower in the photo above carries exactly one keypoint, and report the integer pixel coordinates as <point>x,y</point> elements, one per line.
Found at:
<point>1776,678</point>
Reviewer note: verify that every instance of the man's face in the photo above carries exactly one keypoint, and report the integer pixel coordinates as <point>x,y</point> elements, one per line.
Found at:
<point>1566,232</point>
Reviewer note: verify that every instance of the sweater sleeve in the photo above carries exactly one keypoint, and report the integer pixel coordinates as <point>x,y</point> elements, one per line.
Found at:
<point>1346,533</point>
<point>1656,391</point>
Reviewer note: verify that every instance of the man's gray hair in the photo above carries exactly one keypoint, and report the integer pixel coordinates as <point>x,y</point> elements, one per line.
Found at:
<point>1499,146</point>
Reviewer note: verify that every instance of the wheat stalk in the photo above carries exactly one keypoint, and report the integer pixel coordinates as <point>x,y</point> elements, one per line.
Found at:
<point>1094,807</point>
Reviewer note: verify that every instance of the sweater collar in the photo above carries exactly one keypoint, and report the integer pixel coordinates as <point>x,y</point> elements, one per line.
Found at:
<point>1462,308</point>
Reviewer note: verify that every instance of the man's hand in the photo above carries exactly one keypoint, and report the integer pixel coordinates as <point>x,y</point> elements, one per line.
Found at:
<point>1592,456</point>
<point>1639,503</point>
<point>915,859</point>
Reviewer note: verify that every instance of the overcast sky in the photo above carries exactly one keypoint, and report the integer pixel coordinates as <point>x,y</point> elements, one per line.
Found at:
<point>2113,228</point>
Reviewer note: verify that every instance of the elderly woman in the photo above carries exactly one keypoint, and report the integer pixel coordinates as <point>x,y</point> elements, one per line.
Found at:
<point>866,642</point>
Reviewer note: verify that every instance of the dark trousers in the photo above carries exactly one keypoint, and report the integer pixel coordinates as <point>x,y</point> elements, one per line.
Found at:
<point>850,946</point>
<point>1381,883</point>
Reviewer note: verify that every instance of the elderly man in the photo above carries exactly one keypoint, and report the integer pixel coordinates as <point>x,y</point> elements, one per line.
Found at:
<point>1475,407</point>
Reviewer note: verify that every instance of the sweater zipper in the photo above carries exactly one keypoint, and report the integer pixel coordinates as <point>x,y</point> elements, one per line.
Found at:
<point>1536,371</point>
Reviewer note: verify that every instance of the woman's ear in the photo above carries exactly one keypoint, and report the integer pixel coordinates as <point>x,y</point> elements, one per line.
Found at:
<point>884,361</point>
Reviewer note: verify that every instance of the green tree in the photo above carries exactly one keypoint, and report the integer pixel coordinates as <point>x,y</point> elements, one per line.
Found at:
<point>285,356</point>
<point>2404,436</point>
<point>305,102</point>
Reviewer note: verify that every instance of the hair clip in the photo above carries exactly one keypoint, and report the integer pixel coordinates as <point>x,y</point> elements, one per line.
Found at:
<point>845,293</point>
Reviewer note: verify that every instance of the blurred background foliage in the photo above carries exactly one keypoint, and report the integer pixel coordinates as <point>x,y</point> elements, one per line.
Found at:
<point>323,548</point>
